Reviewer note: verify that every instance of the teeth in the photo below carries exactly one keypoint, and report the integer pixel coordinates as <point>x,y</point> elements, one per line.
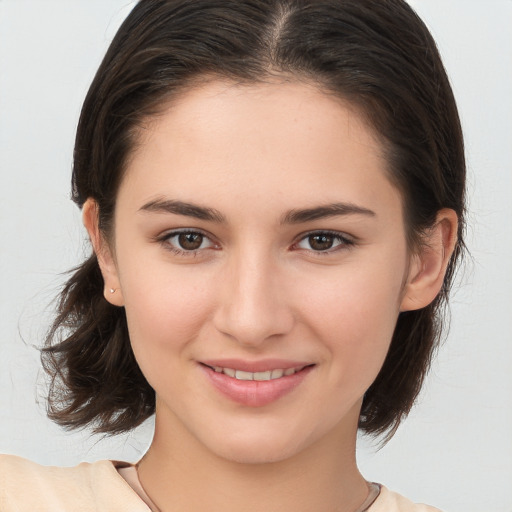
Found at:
<point>260,376</point>
<point>241,375</point>
<point>229,372</point>
<point>277,374</point>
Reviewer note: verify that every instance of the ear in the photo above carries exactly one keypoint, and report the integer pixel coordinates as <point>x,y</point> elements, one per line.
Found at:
<point>112,287</point>
<point>428,266</point>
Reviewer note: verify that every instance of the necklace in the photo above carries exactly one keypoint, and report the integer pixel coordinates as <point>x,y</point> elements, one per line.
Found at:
<point>130,474</point>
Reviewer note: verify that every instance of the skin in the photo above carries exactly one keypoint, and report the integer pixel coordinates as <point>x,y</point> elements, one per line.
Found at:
<point>259,288</point>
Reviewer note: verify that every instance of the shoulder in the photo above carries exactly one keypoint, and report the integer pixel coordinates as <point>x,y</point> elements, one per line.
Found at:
<point>26,486</point>
<point>389,501</point>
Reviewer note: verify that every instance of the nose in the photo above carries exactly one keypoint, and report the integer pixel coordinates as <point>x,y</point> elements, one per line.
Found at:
<point>252,306</point>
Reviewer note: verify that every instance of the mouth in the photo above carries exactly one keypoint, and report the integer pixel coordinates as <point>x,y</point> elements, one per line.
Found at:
<point>255,384</point>
<point>273,374</point>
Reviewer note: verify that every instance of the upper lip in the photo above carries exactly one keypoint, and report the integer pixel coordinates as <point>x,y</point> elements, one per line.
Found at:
<point>262,365</point>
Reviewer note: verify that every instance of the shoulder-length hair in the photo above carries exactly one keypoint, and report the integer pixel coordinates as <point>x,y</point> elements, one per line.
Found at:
<point>377,54</point>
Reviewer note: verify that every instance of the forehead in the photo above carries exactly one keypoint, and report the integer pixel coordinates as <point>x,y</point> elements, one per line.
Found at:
<point>252,109</point>
<point>278,141</point>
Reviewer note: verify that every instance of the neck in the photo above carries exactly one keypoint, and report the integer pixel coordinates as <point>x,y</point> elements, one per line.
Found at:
<point>180,473</point>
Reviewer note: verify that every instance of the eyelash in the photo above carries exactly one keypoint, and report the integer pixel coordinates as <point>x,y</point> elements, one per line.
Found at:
<point>344,242</point>
<point>166,237</point>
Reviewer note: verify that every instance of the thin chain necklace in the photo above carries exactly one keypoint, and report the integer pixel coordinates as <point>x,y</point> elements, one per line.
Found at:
<point>373,494</point>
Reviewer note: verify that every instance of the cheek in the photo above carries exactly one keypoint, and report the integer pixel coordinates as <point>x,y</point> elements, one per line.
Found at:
<point>165,308</point>
<point>355,313</point>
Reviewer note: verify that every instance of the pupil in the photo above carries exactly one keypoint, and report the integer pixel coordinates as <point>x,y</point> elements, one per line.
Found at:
<point>321,242</point>
<point>190,241</point>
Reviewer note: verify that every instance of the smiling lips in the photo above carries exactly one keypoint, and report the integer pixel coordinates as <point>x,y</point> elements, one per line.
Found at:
<point>265,384</point>
<point>260,376</point>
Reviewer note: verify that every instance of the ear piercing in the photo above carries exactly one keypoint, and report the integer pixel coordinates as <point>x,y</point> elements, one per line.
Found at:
<point>112,290</point>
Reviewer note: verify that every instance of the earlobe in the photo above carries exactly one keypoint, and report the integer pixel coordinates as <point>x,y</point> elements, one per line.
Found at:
<point>112,288</point>
<point>428,266</point>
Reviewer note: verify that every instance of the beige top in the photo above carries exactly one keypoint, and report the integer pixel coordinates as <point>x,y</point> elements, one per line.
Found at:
<point>105,486</point>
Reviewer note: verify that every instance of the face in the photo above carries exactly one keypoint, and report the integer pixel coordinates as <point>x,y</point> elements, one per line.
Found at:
<point>260,254</point>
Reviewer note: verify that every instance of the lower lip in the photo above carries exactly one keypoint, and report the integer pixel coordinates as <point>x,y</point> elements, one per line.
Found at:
<point>255,393</point>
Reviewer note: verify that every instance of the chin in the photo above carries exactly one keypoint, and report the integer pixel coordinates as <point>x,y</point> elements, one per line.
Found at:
<point>256,454</point>
<point>258,446</point>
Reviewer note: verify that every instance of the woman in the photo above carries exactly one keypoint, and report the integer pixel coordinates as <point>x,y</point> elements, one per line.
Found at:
<point>274,191</point>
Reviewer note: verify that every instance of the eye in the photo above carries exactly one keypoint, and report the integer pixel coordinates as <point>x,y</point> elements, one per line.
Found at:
<point>324,241</point>
<point>189,241</point>
<point>183,242</point>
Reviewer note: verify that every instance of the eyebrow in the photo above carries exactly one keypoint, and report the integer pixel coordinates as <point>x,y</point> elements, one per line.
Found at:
<point>183,208</point>
<point>292,217</point>
<point>325,211</point>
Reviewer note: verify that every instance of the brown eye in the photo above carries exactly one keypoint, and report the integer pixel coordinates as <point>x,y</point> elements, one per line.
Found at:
<point>190,241</point>
<point>186,243</point>
<point>325,242</point>
<point>321,242</point>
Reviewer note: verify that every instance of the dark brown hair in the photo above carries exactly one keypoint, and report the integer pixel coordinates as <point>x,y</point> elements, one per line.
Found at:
<point>377,54</point>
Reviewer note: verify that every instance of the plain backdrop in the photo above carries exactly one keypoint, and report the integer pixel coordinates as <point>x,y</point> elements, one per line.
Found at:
<point>455,449</point>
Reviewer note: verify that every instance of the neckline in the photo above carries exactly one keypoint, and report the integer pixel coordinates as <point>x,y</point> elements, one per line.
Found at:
<point>373,494</point>
<point>130,475</point>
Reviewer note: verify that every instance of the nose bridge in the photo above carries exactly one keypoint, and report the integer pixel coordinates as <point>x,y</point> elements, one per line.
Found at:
<point>252,305</point>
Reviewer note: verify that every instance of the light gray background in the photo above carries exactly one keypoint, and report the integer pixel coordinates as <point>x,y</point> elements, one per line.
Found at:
<point>455,450</point>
